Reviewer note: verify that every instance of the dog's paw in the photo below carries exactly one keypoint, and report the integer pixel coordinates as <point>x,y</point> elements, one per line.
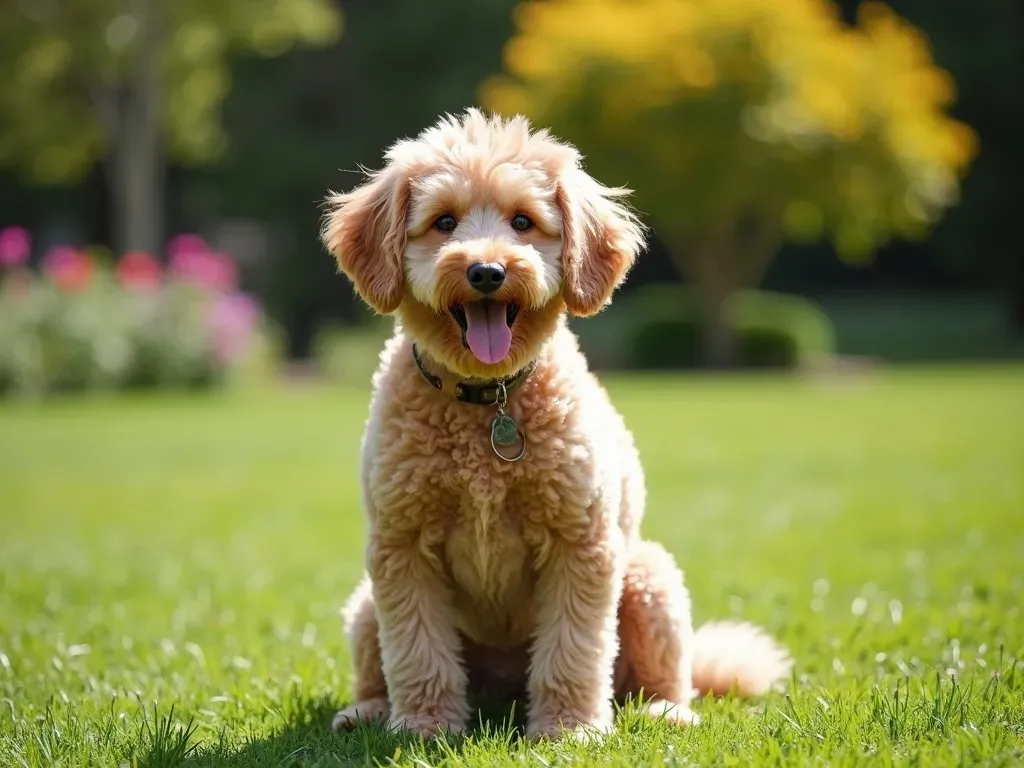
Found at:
<point>568,729</point>
<point>427,726</point>
<point>360,712</point>
<point>671,712</point>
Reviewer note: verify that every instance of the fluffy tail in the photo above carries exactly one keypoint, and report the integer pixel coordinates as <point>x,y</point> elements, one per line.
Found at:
<point>737,656</point>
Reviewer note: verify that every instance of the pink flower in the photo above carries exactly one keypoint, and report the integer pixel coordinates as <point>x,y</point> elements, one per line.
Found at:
<point>222,272</point>
<point>58,259</point>
<point>69,268</point>
<point>15,246</point>
<point>192,259</point>
<point>138,270</point>
<point>186,243</point>
<point>231,320</point>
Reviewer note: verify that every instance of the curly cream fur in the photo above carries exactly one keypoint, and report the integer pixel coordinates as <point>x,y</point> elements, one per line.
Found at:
<point>482,574</point>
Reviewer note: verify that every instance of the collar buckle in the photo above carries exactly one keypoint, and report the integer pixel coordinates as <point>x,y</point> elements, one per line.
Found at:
<point>478,394</point>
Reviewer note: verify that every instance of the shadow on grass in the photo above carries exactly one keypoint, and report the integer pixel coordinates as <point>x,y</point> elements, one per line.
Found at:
<point>306,739</point>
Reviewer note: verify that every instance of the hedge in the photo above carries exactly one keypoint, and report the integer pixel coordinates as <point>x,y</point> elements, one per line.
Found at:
<point>658,327</point>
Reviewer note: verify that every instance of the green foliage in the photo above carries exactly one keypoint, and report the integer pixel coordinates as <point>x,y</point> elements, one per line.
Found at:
<point>659,326</point>
<point>801,319</point>
<point>770,347</point>
<point>661,342</point>
<point>349,354</point>
<point>194,552</point>
<point>912,327</point>
<point>66,66</point>
<point>675,343</point>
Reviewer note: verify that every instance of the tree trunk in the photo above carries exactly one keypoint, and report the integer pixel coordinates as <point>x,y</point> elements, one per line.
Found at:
<point>726,259</point>
<point>718,337</point>
<point>714,284</point>
<point>136,162</point>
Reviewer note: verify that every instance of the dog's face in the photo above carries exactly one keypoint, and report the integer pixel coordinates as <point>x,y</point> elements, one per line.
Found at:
<point>480,233</point>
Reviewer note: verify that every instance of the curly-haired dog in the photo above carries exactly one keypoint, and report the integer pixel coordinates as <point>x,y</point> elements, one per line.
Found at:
<point>502,490</point>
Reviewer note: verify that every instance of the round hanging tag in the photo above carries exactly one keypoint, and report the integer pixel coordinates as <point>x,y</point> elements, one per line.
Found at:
<point>507,440</point>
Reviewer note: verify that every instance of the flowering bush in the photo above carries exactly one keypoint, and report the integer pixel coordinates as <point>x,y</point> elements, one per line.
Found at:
<point>81,322</point>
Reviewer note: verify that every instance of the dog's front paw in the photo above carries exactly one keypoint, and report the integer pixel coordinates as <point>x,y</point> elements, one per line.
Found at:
<point>569,727</point>
<point>360,712</point>
<point>427,726</point>
<point>672,713</point>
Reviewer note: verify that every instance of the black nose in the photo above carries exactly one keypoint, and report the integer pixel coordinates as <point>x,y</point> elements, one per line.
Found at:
<point>486,278</point>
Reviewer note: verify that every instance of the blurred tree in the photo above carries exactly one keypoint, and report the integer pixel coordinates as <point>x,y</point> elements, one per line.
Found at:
<point>742,122</point>
<point>132,82</point>
<point>336,109</point>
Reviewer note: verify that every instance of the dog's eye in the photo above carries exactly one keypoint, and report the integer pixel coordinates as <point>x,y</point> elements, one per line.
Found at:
<point>446,223</point>
<point>521,223</point>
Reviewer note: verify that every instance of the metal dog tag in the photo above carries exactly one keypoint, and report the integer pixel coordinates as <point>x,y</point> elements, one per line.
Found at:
<point>507,441</point>
<point>504,431</point>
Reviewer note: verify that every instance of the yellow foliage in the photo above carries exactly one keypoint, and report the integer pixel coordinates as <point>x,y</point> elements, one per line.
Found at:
<point>786,82</point>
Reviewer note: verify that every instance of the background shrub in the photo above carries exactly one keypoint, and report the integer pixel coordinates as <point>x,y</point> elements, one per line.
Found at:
<point>86,322</point>
<point>658,327</point>
<point>664,343</point>
<point>768,348</point>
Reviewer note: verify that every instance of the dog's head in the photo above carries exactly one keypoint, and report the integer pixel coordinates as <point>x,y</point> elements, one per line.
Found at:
<point>480,233</point>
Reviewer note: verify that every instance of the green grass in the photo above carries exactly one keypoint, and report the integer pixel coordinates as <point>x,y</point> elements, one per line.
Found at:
<point>171,572</point>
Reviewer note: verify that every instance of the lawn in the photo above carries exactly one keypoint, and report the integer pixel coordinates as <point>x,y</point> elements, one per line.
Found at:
<point>171,571</point>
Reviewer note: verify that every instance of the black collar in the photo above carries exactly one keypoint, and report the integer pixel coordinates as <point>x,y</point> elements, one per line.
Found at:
<point>475,392</point>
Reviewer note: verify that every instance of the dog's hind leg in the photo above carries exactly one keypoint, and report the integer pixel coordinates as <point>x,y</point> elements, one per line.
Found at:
<point>368,686</point>
<point>656,635</point>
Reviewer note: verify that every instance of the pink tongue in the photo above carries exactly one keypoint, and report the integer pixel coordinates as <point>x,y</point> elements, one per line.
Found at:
<point>487,333</point>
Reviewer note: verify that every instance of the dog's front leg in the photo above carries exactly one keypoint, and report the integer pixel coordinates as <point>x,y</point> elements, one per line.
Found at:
<point>420,647</point>
<point>573,655</point>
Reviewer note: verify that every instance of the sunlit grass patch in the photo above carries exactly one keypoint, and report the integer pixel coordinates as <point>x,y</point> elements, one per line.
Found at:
<point>171,571</point>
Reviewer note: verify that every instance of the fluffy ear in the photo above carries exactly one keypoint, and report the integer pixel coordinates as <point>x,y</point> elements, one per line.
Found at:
<point>365,231</point>
<point>601,239</point>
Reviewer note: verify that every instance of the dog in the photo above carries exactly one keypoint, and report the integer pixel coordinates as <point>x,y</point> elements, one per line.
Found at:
<point>503,492</point>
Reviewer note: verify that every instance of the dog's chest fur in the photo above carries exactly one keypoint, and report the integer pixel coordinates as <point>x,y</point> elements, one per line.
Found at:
<point>487,520</point>
<point>492,518</point>
<point>431,473</point>
<point>488,562</point>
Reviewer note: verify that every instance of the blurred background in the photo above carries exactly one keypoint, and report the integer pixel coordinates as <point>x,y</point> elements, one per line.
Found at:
<point>828,183</point>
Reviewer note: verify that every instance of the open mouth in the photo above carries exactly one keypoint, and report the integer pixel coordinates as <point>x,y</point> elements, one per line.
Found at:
<point>486,327</point>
